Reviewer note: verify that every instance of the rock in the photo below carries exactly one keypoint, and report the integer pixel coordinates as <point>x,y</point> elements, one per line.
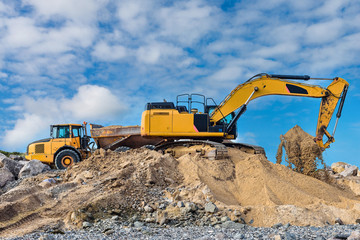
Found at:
<point>5,176</point>
<point>338,167</point>
<point>225,219</point>
<point>180,204</point>
<point>33,168</point>
<point>191,206</point>
<point>150,220</point>
<point>349,171</point>
<point>102,152</point>
<point>46,237</point>
<point>162,206</point>
<point>277,237</point>
<point>47,182</point>
<point>17,157</point>
<point>88,175</point>
<point>341,236</point>
<point>237,213</point>
<point>232,225</point>
<point>161,218</point>
<point>115,218</point>
<point>277,225</point>
<point>289,236</point>
<point>339,221</point>
<point>2,156</point>
<point>147,208</point>
<point>109,232</point>
<point>138,224</point>
<point>355,235</point>
<point>210,207</point>
<point>86,225</point>
<point>13,166</point>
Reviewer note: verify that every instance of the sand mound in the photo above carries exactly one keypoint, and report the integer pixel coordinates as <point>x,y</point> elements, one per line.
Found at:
<point>303,155</point>
<point>142,182</point>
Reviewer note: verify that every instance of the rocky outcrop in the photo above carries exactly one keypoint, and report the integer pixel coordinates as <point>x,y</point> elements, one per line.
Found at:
<point>12,165</point>
<point>32,168</point>
<point>5,176</point>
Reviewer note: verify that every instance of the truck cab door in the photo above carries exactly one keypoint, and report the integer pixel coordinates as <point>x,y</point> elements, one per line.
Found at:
<point>75,137</point>
<point>60,137</point>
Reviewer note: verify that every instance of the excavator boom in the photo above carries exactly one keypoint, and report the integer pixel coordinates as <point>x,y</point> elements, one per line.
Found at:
<point>264,84</point>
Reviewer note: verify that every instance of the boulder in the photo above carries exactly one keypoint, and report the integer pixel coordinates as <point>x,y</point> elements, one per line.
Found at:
<point>2,156</point>
<point>33,168</point>
<point>233,225</point>
<point>349,171</point>
<point>17,157</point>
<point>210,207</point>
<point>5,176</point>
<point>338,167</point>
<point>355,235</point>
<point>13,166</point>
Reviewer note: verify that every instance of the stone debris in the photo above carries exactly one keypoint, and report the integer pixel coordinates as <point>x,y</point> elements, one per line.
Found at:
<point>350,170</point>
<point>132,189</point>
<point>338,167</point>
<point>33,168</point>
<point>5,176</point>
<point>210,207</point>
<point>13,166</point>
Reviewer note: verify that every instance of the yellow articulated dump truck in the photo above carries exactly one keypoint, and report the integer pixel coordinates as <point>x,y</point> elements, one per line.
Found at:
<point>68,143</point>
<point>193,124</point>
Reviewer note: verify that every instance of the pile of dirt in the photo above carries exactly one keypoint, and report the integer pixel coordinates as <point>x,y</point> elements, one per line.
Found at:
<point>303,155</point>
<point>144,185</point>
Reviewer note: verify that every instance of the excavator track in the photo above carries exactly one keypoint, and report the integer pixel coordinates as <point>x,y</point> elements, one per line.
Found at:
<point>248,148</point>
<point>209,149</point>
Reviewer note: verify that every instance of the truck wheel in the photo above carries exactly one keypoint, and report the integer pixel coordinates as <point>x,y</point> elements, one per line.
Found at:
<point>66,158</point>
<point>122,149</point>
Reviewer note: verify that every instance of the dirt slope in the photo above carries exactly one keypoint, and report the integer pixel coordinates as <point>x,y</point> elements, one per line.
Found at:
<point>123,184</point>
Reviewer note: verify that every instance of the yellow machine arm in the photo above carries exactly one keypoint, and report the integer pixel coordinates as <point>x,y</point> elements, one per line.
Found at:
<point>265,84</point>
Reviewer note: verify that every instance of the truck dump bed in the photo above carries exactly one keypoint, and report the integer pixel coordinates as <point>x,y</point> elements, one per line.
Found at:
<point>112,137</point>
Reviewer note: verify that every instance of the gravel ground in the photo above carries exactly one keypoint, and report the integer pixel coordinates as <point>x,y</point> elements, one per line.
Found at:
<point>109,229</point>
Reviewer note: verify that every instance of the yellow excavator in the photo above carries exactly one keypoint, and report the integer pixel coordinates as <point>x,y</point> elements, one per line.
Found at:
<point>182,127</point>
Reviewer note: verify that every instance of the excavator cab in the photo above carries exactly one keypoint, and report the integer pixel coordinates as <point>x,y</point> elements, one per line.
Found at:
<point>189,118</point>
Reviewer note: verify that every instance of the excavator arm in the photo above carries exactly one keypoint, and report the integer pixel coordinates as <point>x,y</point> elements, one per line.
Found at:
<point>265,84</point>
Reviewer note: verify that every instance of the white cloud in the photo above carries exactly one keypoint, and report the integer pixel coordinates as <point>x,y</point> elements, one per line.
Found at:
<point>21,32</point>
<point>288,48</point>
<point>155,52</point>
<point>105,52</point>
<point>93,103</point>
<point>90,103</point>
<point>133,15</point>
<point>247,137</point>
<point>187,21</point>
<point>79,11</point>
<point>227,73</point>
<point>324,32</point>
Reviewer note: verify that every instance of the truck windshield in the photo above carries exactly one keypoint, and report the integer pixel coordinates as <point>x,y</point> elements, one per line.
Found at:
<point>60,132</point>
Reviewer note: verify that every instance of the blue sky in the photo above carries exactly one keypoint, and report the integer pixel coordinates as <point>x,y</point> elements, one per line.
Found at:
<point>100,61</point>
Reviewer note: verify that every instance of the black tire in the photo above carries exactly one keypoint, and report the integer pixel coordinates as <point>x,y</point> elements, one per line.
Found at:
<point>66,158</point>
<point>150,147</point>
<point>122,149</point>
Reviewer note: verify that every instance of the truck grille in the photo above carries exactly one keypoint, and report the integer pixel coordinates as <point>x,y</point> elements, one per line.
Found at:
<point>39,148</point>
